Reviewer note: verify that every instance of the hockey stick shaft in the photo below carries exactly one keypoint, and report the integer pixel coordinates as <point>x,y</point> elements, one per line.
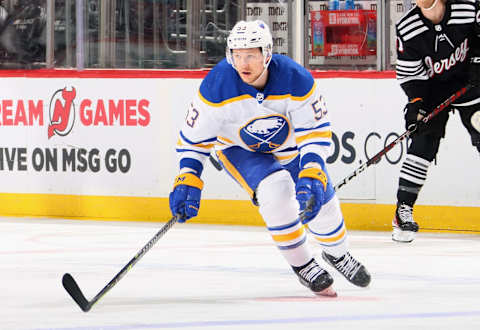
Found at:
<point>74,290</point>
<point>375,159</point>
<point>215,163</point>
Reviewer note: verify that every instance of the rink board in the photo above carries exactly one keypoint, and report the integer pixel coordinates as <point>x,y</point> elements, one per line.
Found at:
<point>100,144</point>
<point>229,212</point>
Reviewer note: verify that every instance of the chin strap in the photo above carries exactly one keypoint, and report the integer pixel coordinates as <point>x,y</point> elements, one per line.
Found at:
<point>260,76</point>
<point>265,67</point>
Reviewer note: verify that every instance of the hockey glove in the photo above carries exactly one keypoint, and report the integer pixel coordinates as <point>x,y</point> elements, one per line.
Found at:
<point>311,186</point>
<point>474,71</point>
<point>414,111</point>
<point>185,197</point>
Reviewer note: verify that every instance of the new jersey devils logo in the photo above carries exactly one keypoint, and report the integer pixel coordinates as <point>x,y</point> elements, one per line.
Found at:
<point>265,134</point>
<point>61,112</point>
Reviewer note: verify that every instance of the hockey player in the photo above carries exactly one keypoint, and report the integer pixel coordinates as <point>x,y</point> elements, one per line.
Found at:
<point>268,122</point>
<point>437,45</point>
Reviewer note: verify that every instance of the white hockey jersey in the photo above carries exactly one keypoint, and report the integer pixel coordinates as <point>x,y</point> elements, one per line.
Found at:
<point>287,117</point>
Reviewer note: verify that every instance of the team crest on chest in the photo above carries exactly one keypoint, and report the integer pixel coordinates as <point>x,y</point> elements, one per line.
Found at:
<point>265,134</point>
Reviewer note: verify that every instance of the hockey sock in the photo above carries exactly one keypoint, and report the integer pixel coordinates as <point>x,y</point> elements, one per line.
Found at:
<point>329,229</point>
<point>279,209</point>
<point>412,177</point>
<point>407,192</point>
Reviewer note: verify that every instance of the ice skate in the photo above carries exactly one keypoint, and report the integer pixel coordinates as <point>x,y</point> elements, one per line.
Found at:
<point>316,279</point>
<point>404,227</point>
<point>349,267</point>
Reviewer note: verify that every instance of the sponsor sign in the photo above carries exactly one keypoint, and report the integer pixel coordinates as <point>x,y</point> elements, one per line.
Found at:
<point>78,136</point>
<point>112,137</point>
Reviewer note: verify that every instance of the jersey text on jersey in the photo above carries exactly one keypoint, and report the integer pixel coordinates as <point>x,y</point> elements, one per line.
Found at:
<point>447,63</point>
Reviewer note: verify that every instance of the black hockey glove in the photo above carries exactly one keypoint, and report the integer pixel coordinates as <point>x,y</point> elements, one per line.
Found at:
<point>414,108</point>
<point>474,71</point>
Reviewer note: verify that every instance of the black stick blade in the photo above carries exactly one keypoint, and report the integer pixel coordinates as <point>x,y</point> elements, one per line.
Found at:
<point>74,291</point>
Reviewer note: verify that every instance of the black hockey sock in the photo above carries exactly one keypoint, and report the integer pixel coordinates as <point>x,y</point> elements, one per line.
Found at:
<point>407,192</point>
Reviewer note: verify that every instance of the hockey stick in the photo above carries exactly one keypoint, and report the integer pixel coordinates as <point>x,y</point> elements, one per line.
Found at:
<point>375,159</point>
<point>74,290</point>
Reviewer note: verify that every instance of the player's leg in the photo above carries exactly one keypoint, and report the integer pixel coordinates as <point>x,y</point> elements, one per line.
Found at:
<point>329,230</point>
<point>420,153</point>
<point>413,173</point>
<point>279,209</point>
<point>475,121</point>
<point>469,109</point>
<point>271,186</point>
<point>471,121</point>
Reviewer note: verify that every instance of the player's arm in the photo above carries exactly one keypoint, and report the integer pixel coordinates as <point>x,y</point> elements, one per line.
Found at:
<point>195,142</point>
<point>474,69</point>
<point>196,138</point>
<point>312,129</point>
<point>314,141</point>
<point>410,69</point>
<point>413,78</point>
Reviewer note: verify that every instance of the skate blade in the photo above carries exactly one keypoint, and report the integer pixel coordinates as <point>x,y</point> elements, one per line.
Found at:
<point>401,236</point>
<point>328,292</point>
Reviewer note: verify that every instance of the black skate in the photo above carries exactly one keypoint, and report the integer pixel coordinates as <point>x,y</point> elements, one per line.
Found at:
<point>404,227</point>
<point>315,278</point>
<point>349,267</point>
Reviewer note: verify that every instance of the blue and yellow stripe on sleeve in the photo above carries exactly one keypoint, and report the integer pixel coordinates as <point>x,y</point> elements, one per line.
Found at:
<point>319,135</point>
<point>192,154</point>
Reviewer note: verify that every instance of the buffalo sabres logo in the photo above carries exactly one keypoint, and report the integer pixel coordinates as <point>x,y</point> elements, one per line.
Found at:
<point>265,134</point>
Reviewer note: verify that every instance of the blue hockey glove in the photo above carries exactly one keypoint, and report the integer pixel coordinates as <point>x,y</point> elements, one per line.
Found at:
<point>185,197</point>
<point>310,188</point>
